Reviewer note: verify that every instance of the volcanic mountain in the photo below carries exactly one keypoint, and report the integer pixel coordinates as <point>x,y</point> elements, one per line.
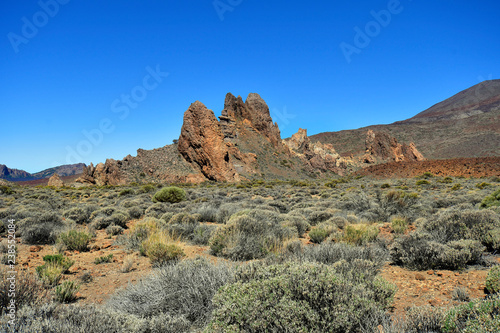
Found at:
<point>465,125</point>
<point>21,175</point>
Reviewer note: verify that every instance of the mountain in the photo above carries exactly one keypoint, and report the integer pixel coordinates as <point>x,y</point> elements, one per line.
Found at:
<point>465,125</point>
<point>243,144</point>
<point>13,174</point>
<point>21,175</point>
<point>62,170</point>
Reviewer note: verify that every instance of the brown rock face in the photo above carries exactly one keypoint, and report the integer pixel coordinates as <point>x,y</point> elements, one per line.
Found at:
<point>381,147</point>
<point>322,157</point>
<point>54,180</point>
<point>202,144</point>
<point>103,174</point>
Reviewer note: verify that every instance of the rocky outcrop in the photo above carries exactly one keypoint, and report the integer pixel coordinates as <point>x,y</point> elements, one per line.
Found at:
<point>317,156</point>
<point>55,181</point>
<point>381,147</point>
<point>202,144</point>
<point>103,174</point>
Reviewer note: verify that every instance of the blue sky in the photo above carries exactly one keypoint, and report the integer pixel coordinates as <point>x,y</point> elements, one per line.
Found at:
<point>87,80</point>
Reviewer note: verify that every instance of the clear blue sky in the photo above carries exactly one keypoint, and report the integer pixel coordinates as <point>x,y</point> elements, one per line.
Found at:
<point>70,69</point>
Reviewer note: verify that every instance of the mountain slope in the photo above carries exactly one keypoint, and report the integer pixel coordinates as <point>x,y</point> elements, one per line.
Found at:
<point>465,125</point>
<point>21,175</point>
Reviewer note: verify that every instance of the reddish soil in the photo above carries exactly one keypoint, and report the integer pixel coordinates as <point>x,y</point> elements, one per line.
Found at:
<point>45,181</point>
<point>465,167</point>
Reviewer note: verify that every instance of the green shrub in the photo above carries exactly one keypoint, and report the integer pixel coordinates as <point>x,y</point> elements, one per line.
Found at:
<point>422,182</point>
<point>399,225</point>
<point>170,194</point>
<point>298,297</point>
<point>492,200</point>
<point>456,187</point>
<point>481,315</point>
<point>60,260</point>
<point>482,185</point>
<point>103,259</point>
<point>493,280</point>
<point>359,234</point>
<point>161,248</point>
<point>127,191</point>
<point>385,185</point>
<point>75,240</point>
<point>147,188</point>
<point>4,189</point>
<point>318,235</point>
<point>50,273</point>
<point>65,293</point>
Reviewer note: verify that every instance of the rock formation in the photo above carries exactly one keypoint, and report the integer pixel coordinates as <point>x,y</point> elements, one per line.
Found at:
<point>56,181</point>
<point>202,143</point>
<point>381,147</point>
<point>103,174</point>
<point>317,156</point>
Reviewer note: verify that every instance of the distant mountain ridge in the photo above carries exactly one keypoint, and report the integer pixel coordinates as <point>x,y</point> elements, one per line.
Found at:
<point>21,175</point>
<point>464,125</point>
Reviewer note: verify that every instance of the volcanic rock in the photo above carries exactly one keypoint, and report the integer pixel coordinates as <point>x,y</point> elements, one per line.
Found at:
<point>56,181</point>
<point>202,144</point>
<point>381,147</point>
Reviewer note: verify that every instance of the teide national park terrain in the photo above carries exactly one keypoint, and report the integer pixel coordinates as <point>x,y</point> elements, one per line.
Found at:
<point>250,166</point>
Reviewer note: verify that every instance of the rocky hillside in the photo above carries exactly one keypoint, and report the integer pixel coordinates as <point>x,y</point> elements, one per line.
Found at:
<point>465,125</point>
<point>243,144</point>
<point>21,175</point>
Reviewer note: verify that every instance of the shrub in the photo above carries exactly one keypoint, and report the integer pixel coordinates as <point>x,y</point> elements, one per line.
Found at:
<point>54,318</point>
<point>492,200</point>
<point>28,290</point>
<point>60,260</point>
<point>4,189</point>
<point>359,234</point>
<point>460,294</point>
<point>298,297</point>
<point>480,315</point>
<point>114,230</point>
<point>422,182</point>
<point>75,240</point>
<point>455,224</point>
<point>170,194</point>
<point>42,229</point>
<point>147,188</point>
<point>103,259</point>
<point>65,293</point>
<point>202,234</point>
<point>128,262</point>
<point>299,222</point>
<point>456,187</point>
<point>127,191</point>
<point>318,235</point>
<point>419,251</point>
<point>80,215</point>
<point>317,217</point>
<point>385,185</point>
<point>135,212</point>
<point>160,248</point>
<point>183,290</point>
<point>208,213</point>
<point>248,236</point>
<point>482,185</point>
<point>399,225</point>
<point>50,273</point>
<point>493,280</point>
<point>141,231</point>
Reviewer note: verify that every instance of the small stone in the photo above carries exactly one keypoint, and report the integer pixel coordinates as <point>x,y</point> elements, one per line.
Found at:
<point>35,248</point>
<point>419,277</point>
